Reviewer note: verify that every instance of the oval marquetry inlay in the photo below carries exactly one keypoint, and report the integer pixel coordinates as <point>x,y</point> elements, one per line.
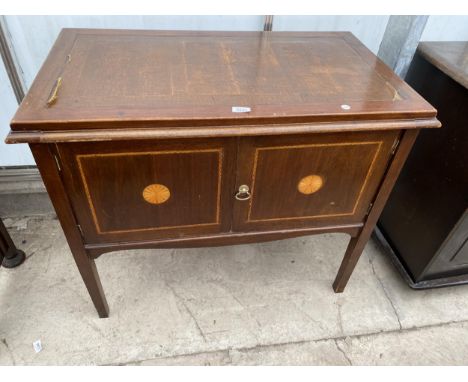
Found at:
<point>310,184</point>
<point>156,193</point>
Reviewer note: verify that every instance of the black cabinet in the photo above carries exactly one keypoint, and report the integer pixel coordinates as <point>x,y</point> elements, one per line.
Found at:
<point>425,221</point>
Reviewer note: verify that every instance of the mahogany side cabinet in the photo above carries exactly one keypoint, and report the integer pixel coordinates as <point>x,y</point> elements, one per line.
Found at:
<point>164,139</point>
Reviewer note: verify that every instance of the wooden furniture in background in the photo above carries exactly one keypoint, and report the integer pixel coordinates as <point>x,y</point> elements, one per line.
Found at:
<point>162,139</point>
<point>425,221</point>
<point>10,256</point>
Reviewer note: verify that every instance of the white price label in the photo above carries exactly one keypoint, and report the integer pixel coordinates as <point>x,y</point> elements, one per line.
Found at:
<point>37,345</point>
<point>241,109</point>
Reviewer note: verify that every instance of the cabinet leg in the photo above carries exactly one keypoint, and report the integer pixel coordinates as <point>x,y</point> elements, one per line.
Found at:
<point>88,271</point>
<point>13,258</point>
<point>43,154</point>
<point>350,259</point>
<point>10,256</point>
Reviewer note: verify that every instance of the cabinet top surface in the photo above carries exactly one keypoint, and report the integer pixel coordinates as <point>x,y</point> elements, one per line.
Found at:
<point>182,78</point>
<point>449,56</point>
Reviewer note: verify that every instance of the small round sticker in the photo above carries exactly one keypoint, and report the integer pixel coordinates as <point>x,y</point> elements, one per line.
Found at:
<point>345,107</point>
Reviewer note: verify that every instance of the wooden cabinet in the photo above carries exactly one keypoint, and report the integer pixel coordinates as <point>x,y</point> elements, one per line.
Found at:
<point>426,218</point>
<point>160,139</point>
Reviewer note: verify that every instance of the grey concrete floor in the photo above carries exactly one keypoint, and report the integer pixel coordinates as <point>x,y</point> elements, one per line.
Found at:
<point>262,304</point>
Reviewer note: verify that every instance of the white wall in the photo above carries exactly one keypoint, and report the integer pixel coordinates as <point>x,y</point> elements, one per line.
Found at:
<point>10,155</point>
<point>369,29</point>
<point>446,28</point>
<point>33,36</point>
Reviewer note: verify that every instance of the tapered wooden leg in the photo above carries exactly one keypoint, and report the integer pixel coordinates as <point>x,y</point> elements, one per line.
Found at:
<point>50,172</point>
<point>353,253</point>
<point>357,244</point>
<point>88,271</point>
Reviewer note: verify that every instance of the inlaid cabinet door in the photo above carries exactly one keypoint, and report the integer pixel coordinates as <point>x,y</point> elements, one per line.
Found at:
<point>145,190</point>
<point>309,180</point>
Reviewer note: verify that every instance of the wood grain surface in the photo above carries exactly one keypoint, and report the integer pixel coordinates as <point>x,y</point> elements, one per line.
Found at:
<point>350,166</point>
<point>172,78</point>
<point>105,181</point>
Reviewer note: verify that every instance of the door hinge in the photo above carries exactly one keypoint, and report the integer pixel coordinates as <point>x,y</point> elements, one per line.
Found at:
<point>81,230</point>
<point>57,162</point>
<point>369,209</point>
<point>395,145</point>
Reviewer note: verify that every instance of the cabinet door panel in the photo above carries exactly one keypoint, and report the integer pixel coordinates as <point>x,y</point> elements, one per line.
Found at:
<point>149,189</point>
<point>314,180</point>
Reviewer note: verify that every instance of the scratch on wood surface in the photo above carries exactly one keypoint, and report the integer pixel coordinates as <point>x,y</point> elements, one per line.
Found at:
<point>228,61</point>
<point>184,63</point>
<point>396,96</point>
<point>272,56</point>
<point>172,81</point>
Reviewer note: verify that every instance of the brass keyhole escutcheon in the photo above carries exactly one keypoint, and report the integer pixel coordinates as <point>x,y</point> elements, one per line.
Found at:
<point>156,193</point>
<point>310,184</point>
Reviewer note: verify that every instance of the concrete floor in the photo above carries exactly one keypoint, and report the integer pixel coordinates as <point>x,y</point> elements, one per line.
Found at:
<point>263,304</point>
